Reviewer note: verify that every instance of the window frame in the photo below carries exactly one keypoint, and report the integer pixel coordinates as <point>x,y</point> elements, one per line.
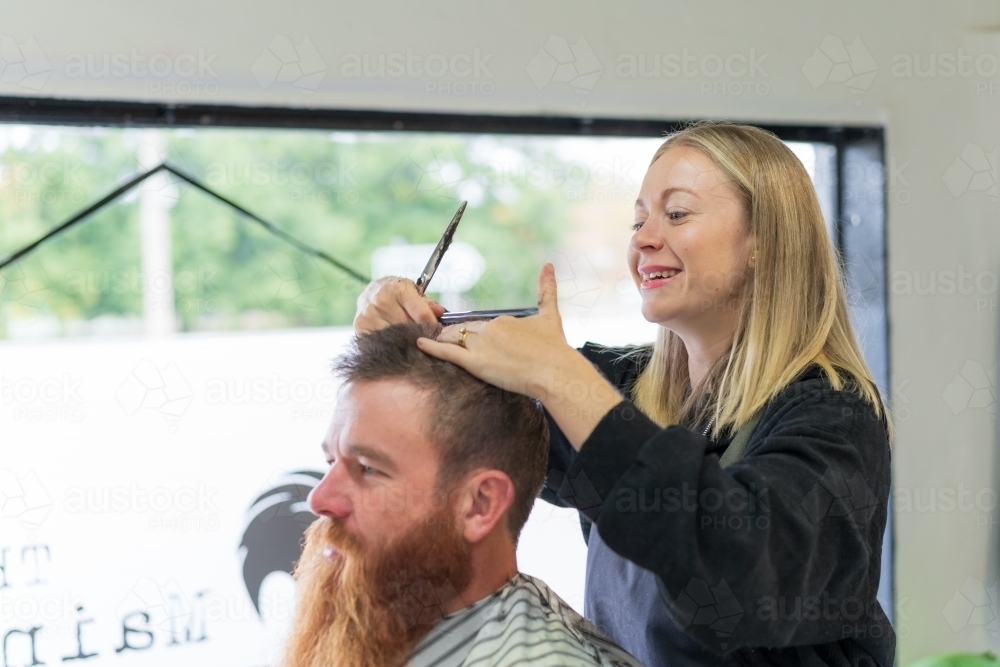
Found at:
<point>860,213</point>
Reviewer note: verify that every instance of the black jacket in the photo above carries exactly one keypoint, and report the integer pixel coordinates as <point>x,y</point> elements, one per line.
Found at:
<point>791,532</point>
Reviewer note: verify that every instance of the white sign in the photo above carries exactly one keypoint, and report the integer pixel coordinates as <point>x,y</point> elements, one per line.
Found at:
<point>460,268</point>
<point>152,497</point>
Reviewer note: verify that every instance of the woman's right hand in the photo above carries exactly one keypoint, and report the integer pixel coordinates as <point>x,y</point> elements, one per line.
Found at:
<point>392,300</point>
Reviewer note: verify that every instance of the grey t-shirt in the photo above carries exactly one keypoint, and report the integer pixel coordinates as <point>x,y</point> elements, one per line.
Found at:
<point>626,600</point>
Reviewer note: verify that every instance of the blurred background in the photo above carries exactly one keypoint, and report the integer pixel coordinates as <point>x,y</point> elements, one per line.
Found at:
<point>164,361</point>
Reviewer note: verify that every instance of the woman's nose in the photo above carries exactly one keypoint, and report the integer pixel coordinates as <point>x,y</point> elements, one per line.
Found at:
<point>646,238</point>
<point>329,498</point>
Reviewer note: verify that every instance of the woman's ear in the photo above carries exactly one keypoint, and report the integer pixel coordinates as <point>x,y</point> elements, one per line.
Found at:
<point>488,495</point>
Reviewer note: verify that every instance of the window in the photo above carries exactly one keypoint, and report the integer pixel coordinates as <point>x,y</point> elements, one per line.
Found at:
<point>135,462</point>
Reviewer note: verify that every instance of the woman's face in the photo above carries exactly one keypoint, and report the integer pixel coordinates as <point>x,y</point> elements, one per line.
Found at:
<point>691,245</point>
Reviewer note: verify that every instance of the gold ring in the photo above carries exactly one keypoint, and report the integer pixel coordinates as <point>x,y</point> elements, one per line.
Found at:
<point>462,333</point>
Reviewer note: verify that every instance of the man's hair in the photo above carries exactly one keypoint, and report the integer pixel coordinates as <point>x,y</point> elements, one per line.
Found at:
<point>474,424</point>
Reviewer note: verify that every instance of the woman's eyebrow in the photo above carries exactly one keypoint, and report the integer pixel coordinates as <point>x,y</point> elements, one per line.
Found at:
<point>669,191</point>
<point>664,194</point>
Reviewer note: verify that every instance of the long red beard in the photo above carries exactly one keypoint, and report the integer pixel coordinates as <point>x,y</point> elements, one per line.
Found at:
<point>360,609</point>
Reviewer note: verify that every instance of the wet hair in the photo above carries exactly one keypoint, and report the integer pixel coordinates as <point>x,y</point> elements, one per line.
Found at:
<point>474,425</point>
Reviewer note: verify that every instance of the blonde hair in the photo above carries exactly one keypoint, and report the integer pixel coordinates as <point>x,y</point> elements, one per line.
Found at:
<point>792,315</point>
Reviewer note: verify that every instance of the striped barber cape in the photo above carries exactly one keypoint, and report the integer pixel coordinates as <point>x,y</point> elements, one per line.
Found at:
<point>522,623</point>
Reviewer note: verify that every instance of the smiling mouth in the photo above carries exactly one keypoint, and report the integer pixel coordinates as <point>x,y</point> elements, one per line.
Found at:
<point>655,279</point>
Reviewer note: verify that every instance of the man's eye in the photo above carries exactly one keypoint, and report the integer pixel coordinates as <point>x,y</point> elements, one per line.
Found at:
<point>368,470</point>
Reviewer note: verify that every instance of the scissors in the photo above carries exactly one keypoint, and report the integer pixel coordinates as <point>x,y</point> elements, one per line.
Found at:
<point>439,250</point>
<point>431,268</point>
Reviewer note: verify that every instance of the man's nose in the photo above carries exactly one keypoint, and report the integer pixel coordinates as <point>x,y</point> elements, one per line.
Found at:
<point>329,498</point>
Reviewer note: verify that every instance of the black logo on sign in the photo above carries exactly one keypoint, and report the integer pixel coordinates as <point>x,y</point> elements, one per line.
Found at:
<point>272,541</point>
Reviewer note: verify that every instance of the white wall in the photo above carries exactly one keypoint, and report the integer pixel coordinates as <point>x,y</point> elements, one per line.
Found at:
<point>940,218</point>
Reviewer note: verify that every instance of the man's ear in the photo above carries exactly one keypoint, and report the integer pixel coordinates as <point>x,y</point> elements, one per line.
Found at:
<point>488,494</point>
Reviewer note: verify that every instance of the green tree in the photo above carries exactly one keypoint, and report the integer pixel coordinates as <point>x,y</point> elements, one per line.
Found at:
<point>345,193</point>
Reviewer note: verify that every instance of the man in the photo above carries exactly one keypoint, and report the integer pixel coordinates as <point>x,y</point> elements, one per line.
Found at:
<point>412,561</point>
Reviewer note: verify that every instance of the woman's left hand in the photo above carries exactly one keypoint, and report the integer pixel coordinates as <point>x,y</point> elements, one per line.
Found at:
<point>530,356</point>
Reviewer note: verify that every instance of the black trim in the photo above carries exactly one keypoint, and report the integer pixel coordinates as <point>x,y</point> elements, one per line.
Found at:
<point>838,220</point>
<point>107,199</point>
<point>49,111</point>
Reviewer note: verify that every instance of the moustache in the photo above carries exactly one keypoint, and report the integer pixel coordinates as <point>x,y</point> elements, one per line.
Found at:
<point>332,541</point>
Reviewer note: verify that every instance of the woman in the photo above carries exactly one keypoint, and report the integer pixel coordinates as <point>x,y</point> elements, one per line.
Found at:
<point>765,552</point>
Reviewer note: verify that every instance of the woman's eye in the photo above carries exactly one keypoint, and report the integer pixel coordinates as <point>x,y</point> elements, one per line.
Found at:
<point>636,226</point>
<point>676,215</point>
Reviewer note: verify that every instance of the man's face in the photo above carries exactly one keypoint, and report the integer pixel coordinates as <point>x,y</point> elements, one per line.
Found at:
<point>383,560</point>
<point>383,468</point>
